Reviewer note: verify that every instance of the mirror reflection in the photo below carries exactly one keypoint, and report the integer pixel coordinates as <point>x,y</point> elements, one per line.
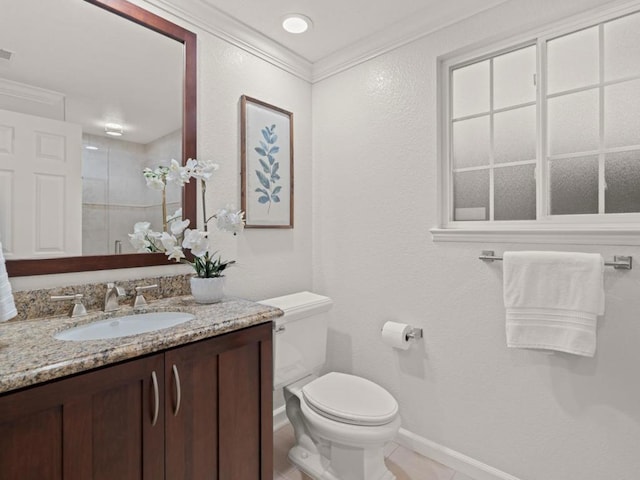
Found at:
<point>87,101</point>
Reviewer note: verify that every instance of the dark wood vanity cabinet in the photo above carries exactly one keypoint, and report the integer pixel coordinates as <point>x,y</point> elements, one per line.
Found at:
<point>213,421</point>
<point>97,425</point>
<point>219,414</point>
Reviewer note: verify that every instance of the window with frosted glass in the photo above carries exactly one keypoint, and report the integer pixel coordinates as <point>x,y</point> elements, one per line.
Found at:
<point>593,119</point>
<point>548,129</point>
<point>493,137</point>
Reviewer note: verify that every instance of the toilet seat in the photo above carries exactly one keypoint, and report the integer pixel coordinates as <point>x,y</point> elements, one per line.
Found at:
<point>350,399</point>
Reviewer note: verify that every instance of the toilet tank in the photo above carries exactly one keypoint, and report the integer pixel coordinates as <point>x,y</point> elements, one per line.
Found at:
<point>300,336</point>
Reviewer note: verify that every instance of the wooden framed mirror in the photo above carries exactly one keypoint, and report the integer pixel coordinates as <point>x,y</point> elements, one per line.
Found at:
<point>147,20</point>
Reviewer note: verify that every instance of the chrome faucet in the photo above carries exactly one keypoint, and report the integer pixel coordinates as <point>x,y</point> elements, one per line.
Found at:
<point>111,297</point>
<point>78,309</point>
<point>141,302</point>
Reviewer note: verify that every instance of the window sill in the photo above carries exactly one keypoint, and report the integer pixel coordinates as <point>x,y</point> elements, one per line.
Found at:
<point>604,235</point>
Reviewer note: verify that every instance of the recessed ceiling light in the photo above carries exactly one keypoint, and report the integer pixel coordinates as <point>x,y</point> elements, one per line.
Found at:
<point>113,129</point>
<point>296,23</point>
<point>91,147</point>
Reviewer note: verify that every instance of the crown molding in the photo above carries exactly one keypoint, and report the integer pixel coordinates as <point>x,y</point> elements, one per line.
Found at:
<point>216,22</point>
<point>212,20</point>
<point>396,36</point>
<point>29,92</point>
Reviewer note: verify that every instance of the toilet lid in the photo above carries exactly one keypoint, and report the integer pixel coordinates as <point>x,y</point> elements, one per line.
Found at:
<point>350,399</point>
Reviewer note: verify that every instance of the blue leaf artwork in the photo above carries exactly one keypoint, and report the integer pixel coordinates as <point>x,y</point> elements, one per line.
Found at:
<point>268,174</point>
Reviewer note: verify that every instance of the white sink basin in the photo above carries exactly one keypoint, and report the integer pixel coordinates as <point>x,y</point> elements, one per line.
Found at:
<point>123,326</point>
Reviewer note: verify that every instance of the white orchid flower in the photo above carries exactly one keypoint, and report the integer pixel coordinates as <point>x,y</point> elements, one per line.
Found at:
<point>230,221</point>
<point>168,241</point>
<point>155,183</point>
<point>178,236</point>
<point>177,215</point>
<point>196,241</point>
<point>178,227</point>
<point>191,164</point>
<point>175,253</point>
<point>155,178</point>
<point>203,169</point>
<point>140,242</point>
<point>178,174</point>
<point>171,247</point>
<point>142,227</point>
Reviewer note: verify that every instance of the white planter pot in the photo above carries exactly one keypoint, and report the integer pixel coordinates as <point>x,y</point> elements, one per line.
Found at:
<point>207,290</point>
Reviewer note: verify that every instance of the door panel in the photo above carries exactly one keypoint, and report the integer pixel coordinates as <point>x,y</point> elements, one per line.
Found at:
<point>41,177</point>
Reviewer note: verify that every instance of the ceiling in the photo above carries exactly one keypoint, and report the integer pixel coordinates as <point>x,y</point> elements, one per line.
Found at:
<point>342,24</point>
<point>82,55</point>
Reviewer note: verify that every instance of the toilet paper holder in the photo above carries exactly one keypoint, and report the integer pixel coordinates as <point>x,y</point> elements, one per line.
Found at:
<point>414,334</point>
<point>400,335</point>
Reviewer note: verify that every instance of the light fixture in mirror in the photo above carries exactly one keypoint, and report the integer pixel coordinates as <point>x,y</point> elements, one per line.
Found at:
<point>153,135</point>
<point>113,129</point>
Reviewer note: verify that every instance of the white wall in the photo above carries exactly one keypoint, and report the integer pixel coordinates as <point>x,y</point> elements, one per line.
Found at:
<point>270,262</point>
<point>534,416</point>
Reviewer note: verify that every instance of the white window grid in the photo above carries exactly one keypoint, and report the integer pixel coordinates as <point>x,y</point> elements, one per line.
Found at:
<point>491,113</point>
<point>543,217</point>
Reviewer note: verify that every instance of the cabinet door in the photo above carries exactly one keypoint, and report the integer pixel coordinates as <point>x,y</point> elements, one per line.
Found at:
<point>191,393</point>
<point>219,414</point>
<point>98,425</point>
<point>246,405</point>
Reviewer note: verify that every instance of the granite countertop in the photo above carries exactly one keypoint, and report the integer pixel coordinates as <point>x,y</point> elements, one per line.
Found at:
<point>29,353</point>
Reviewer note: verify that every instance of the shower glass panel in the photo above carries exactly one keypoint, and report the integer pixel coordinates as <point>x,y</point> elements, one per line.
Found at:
<point>115,195</point>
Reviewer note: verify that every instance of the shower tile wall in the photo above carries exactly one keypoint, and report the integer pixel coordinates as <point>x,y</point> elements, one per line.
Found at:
<point>115,195</point>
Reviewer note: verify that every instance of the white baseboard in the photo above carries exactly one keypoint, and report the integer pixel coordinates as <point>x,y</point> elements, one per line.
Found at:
<point>427,448</point>
<point>279,418</point>
<point>451,458</point>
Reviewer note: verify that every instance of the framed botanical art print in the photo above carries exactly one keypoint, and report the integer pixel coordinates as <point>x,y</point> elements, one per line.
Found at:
<point>267,164</point>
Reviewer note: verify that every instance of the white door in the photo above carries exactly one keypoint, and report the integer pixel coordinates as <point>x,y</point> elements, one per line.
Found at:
<point>40,187</point>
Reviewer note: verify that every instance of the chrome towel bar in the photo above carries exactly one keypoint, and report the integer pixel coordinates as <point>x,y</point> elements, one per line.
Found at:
<point>620,262</point>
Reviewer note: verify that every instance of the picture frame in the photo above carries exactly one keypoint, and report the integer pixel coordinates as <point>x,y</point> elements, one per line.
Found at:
<point>266,165</point>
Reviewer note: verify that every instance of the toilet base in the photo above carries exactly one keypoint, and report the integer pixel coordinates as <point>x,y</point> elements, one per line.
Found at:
<point>310,463</point>
<point>327,450</point>
<point>316,466</point>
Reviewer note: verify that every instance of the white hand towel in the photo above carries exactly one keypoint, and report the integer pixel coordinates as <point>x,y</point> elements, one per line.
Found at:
<point>7,305</point>
<point>553,299</point>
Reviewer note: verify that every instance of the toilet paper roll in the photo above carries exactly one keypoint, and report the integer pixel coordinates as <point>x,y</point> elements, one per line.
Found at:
<point>395,335</point>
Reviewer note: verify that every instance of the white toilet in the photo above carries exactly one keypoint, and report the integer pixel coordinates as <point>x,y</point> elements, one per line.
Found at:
<point>341,422</point>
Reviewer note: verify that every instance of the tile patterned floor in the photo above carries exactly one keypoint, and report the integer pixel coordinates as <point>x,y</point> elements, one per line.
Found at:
<point>403,463</point>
